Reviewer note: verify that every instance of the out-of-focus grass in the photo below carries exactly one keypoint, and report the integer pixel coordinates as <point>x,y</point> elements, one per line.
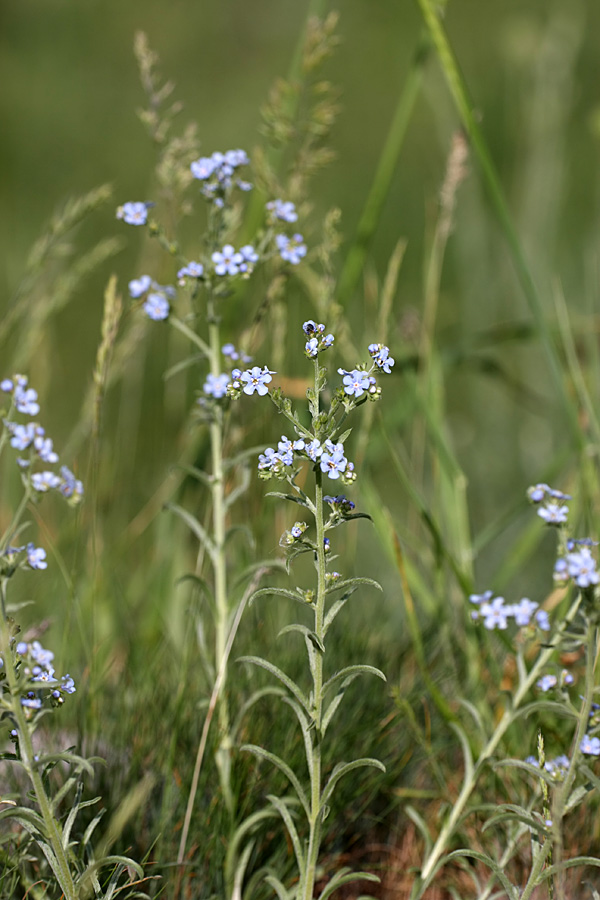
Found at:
<point>469,418</point>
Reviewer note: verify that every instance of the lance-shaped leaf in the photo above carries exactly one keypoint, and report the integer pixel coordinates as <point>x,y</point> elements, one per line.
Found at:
<point>196,473</point>
<point>247,827</point>
<point>301,501</point>
<point>511,891</point>
<point>306,633</point>
<point>281,676</point>
<point>569,864</point>
<point>283,767</point>
<point>280,890</point>
<point>342,769</point>
<point>278,592</point>
<point>340,681</point>
<point>307,726</point>
<point>285,814</point>
<point>345,876</point>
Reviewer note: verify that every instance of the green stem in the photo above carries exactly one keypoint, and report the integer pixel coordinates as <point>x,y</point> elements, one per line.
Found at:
<point>16,519</point>
<point>219,560</point>
<point>60,863</point>
<point>307,878</point>
<point>564,791</point>
<point>432,861</point>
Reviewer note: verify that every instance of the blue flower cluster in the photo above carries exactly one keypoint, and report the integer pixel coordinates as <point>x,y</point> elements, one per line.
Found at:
<point>156,296</point>
<point>31,437</point>
<point>191,270</point>
<point>359,381</point>
<point>229,261</point>
<point>289,538</point>
<point>291,249</point>
<point>284,210</point>
<point>216,386</point>
<point>317,339</point>
<point>556,767</point>
<point>329,457</point>
<point>495,612</point>
<point>35,557</point>
<point>42,684</point>
<point>218,174</point>
<point>552,504</point>
<point>548,682</point>
<point>578,564</point>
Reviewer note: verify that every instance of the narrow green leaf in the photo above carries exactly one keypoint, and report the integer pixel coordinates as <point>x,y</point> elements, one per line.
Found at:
<point>277,592</point>
<point>281,676</point>
<point>291,829</point>
<point>350,673</point>
<point>342,769</point>
<point>278,887</point>
<point>511,891</point>
<point>306,633</point>
<point>291,497</point>
<point>345,876</point>
<point>283,767</point>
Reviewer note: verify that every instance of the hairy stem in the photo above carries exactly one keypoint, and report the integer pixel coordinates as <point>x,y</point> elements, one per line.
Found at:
<point>53,831</point>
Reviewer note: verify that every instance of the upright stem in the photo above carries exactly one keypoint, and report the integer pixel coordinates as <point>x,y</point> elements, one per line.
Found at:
<point>60,863</point>
<point>219,560</point>
<point>431,863</point>
<point>307,878</point>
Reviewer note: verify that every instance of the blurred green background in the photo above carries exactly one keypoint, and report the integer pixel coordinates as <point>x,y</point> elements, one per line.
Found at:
<point>70,89</point>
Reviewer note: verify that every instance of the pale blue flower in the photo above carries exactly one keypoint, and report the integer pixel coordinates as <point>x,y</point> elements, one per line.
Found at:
<point>227,261</point>
<point>70,487</point>
<point>192,270</point>
<point>139,286</point>
<point>553,513</point>
<point>381,357</point>
<point>590,745</point>
<point>156,307</point>
<point>216,385</point>
<point>134,213</point>
<point>332,460</point>
<point>45,481</point>
<point>356,383</point>
<point>36,557</point>
<point>291,249</point>
<point>256,379</point>
<point>547,682</point>
<point>284,210</point>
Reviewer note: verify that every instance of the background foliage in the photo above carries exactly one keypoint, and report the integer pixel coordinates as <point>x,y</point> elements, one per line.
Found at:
<point>470,418</point>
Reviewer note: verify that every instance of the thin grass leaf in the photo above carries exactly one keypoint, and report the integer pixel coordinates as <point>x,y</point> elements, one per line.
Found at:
<point>468,116</point>
<point>418,820</point>
<point>195,527</point>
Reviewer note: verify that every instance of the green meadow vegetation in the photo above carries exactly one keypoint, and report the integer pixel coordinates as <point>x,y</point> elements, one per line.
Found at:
<point>290,671</point>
